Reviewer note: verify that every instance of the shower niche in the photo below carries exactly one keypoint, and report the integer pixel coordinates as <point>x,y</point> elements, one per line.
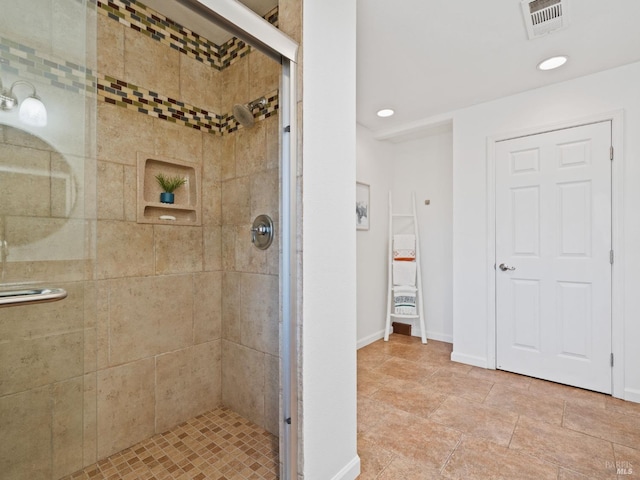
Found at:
<point>186,209</point>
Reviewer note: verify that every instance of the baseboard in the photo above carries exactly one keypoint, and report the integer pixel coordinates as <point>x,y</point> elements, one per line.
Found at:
<point>440,337</point>
<point>363,342</point>
<point>469,360</point>
<point>632,395</point>
<point>350,471</point>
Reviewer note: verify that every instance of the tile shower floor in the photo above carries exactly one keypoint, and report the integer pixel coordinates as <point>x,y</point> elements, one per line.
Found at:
<point>217,445</point>
<point>422,416</point>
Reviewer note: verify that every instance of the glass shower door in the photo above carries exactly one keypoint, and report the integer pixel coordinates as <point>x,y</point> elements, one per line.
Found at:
<point>46,236</point>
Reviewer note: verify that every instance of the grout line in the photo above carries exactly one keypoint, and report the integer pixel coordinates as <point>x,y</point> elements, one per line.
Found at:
<point>515,425</point>
<point>444,465</point>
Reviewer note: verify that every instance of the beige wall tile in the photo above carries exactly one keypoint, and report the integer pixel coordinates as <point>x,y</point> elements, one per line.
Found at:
<point>235,85</point>
<point>251,149</point>
<point>102,324</point>
<point>25,435</point>
<point>211,200</point>
<point>200,84</point>
<point>250,311</point>
<point>36,321</point>
<point>149,316</point>
<point>290,18</point>
<point>69,29</point>
<point>38,35</point>
<point>265,194</point>
<point>24,193</point>
<point>110,47</point>
<point>228,248</point>
<point>126,404</point>
<point>177,141</point>
<point>212,248</point>
<point>124,249</point>
<point>249,258</point>
<point>67,399</point>
<point>243,381</point>
<point>272,127</point>
<point>272,394</point>
<point>207,307</point>
<point>264,74</point>
<point>90,412</point>
<point>188,383</point>
<point>236,204</point>
<point>151,64</point>
<point>110,189</point>
<point>177,249</point>
<point>212,156</point>
<point>130,190</point>
<point>227,157</point>
<point>30,363</point>
<point>112,145</point>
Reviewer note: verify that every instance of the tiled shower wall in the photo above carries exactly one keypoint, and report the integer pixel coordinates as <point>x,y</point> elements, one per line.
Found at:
<point>187,315</point>
<point>168,321</point>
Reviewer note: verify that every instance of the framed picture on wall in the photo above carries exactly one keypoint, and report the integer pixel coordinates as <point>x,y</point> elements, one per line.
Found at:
<point>363,212</point>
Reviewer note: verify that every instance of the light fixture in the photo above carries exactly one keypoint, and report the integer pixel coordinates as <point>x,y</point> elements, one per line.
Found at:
<point>32,110</point>
<point>385,112</point>
<point>553,62</point>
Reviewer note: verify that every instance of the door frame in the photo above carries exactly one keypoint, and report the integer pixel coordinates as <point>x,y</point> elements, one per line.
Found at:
<point>617,233</point>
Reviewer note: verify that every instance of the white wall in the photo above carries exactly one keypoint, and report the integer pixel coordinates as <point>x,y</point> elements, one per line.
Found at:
<point>329,241</point>
<point>374,169</point>
<point>424,166</point>
<point>594,94</point>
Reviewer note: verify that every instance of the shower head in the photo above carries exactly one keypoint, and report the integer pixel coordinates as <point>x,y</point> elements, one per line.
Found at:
<point>244,113</point>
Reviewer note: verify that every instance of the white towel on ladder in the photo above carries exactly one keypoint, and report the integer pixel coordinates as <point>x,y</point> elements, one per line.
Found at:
<point>404,273</point>
<point>404,247</point>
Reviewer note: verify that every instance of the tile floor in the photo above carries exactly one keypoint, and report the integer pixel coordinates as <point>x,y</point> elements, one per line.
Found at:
<point>218,445</point>
<point>422,416</point>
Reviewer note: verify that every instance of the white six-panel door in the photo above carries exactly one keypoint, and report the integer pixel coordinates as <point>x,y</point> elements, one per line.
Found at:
<point>553,243</point>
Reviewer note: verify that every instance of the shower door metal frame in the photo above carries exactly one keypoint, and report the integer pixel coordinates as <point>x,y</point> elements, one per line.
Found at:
<point>246,25</point>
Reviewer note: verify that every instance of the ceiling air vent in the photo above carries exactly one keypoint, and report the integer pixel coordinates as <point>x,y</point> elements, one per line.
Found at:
<point>544,16</point>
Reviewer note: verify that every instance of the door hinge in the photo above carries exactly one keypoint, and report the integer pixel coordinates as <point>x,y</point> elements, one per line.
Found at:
<point>288,129</point>
<point>611,257</point>
<point>612,359</point>
<point>611,153</point>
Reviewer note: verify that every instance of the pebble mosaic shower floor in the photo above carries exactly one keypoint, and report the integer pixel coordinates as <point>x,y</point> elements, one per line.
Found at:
<point>217,445</point>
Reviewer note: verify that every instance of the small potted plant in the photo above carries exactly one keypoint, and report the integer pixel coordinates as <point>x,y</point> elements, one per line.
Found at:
<point>169,185</point>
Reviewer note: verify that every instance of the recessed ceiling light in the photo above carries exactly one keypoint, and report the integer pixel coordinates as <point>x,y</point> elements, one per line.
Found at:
<point>385,112</point>
<point>553,62</point>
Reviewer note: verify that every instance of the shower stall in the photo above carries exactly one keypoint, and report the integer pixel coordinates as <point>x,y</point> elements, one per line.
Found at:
<point>131,327</point>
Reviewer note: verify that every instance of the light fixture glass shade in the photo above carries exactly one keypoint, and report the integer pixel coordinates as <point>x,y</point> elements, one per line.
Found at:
<point>32,112</point>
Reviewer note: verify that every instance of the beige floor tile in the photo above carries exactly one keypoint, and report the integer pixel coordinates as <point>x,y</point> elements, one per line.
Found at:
<point>523,402</point>
<point>414,437</point>
<point>500,377</point>
<point>476,419</point>
<point>572,450</point>
<point>622,406</point>
<point>613,426</point>
<point>565,474</point>
<point>460,385</point>
<point>409,396</point>
<point>565,392</point>
<point>479,459</point>
<point>405,369</point>
<point>373,459</point>
<point>370,413</point>
<point>628,460</point>
<point>402,468</point>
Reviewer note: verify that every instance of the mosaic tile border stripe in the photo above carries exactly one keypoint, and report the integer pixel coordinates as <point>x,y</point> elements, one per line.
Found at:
<point>147,21</point>
<point>150,103</point>
<point>25,62</point>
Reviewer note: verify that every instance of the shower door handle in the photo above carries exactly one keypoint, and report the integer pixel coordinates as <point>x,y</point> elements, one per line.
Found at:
<point>10,298</point>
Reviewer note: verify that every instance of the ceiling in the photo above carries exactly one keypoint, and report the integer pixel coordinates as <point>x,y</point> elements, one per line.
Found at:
<point>424,58</point>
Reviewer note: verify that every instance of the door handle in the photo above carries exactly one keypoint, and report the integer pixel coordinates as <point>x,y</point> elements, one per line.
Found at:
<point>504,267</point>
